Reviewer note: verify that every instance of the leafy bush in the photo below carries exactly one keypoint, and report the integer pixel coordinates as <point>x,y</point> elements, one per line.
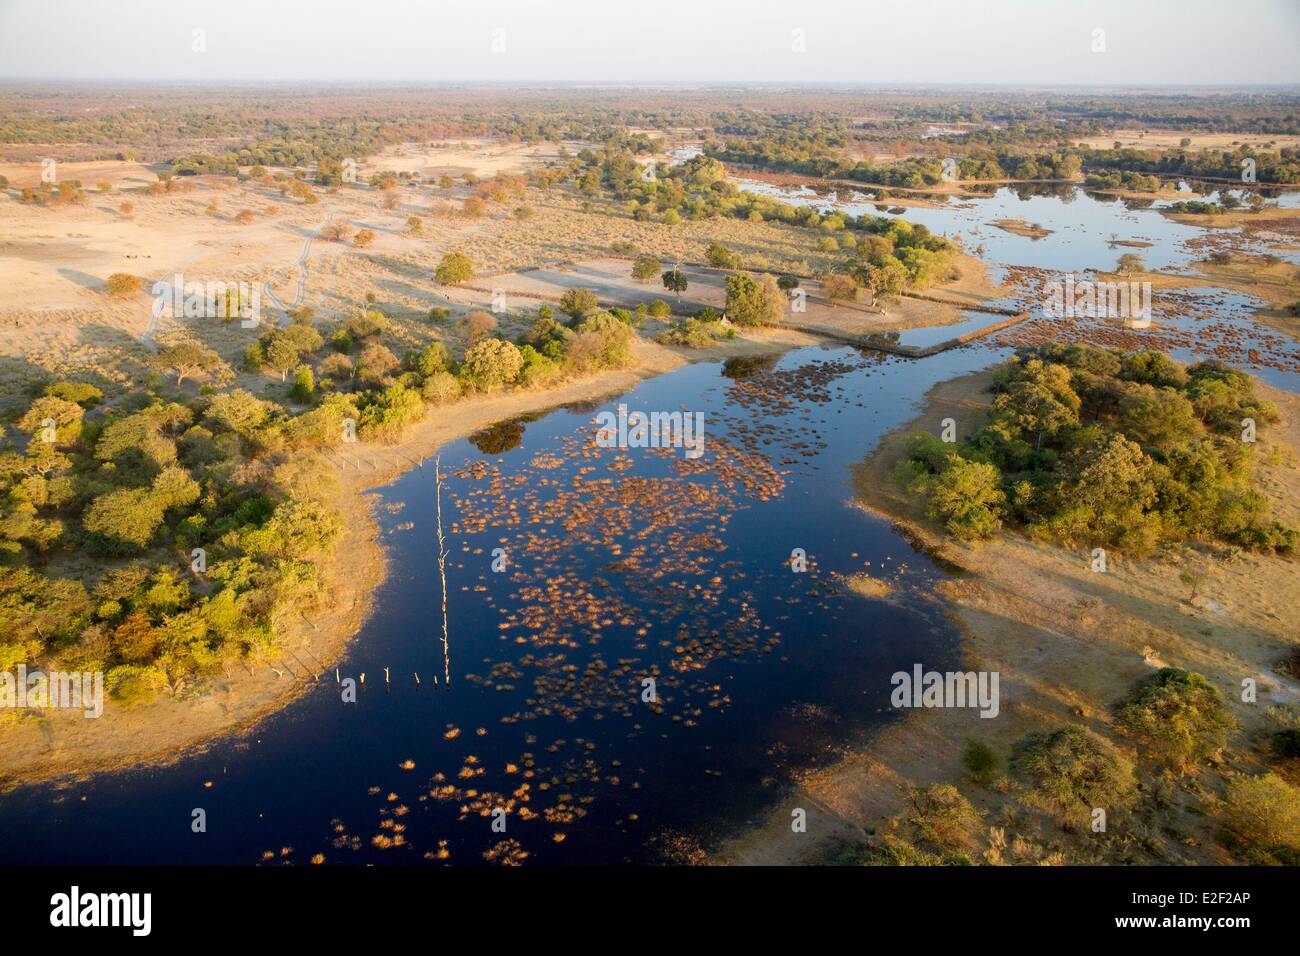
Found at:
<point>576,303</point>
<point>388,414</point>
<point>81,393</point>
<point>440,388</point>
<point>720,257</point>
<point>491,364</point>
<point>1071,771</point>
<point>979,760</point>
<point>645,268</point>
<point>1261,816</point>
<point>695,333</point>
<point>1176,716</point>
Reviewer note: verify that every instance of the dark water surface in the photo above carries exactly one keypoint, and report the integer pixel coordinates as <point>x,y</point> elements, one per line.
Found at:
<point>621,565</point>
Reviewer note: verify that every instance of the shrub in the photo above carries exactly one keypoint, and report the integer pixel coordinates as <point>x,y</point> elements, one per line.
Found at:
<point>66,416</point>
<point>1261,816</point>
<point>440,388</point>
<point>122,285</point>
<point>375,363</point>
<point>576,303</point>
<point>477,325</point>
<point>695,333</point>
<point>254,357</point>
<point>1157,417</point>
<point>720,257</point>
<point>1151,368</point>
<point>81,393</point>
<point>645,268</point>
<point>941,817</point>
<point>434,357</point>
<point>385,418</point>
<point>1072,770</point>
<point>839,288</point>
<point>603,341</point>
<point>538,370</point>
<point>1176,716</point>
<point>132,686</point>
<point>979,760</point>
<point>371,322</point>
<point>304,384</point>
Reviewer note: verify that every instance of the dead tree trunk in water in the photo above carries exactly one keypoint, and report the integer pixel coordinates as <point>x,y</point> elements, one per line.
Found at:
<point>442,573</point>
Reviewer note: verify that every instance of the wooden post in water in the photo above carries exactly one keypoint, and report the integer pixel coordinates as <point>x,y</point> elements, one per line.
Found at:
<point>442,573</point>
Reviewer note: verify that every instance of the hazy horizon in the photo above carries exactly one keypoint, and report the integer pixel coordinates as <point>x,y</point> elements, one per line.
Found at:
<point>934,43</point>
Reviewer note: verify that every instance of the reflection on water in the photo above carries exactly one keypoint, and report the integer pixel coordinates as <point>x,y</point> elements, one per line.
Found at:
<point>1083,225</point>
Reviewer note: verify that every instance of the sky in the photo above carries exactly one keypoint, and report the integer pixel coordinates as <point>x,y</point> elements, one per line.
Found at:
<point>867,42</point>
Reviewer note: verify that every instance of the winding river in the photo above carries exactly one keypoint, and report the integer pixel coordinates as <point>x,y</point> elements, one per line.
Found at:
<point>644,670</point>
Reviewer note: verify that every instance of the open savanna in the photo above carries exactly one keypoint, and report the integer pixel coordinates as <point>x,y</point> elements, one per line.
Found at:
<point>54,260</point>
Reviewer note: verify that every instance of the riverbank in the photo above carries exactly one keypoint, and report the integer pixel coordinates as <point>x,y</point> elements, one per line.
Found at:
<point>1067,643</point>
<point>39,747</point>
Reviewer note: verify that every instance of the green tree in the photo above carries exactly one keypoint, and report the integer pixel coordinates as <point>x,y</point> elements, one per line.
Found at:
<point>645,268</point>
<point>967,498</point>
<point>754,302</point>
<point>491,364</point>
<point>375,363</point>
<point>304,384</point>
<point>888,278</point>
<point>675,281</point>
<point>64,417</point>
<point>1157,417</point>
<point>185,359</point>
<point>454,269</point>
<point>1130,262</point>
